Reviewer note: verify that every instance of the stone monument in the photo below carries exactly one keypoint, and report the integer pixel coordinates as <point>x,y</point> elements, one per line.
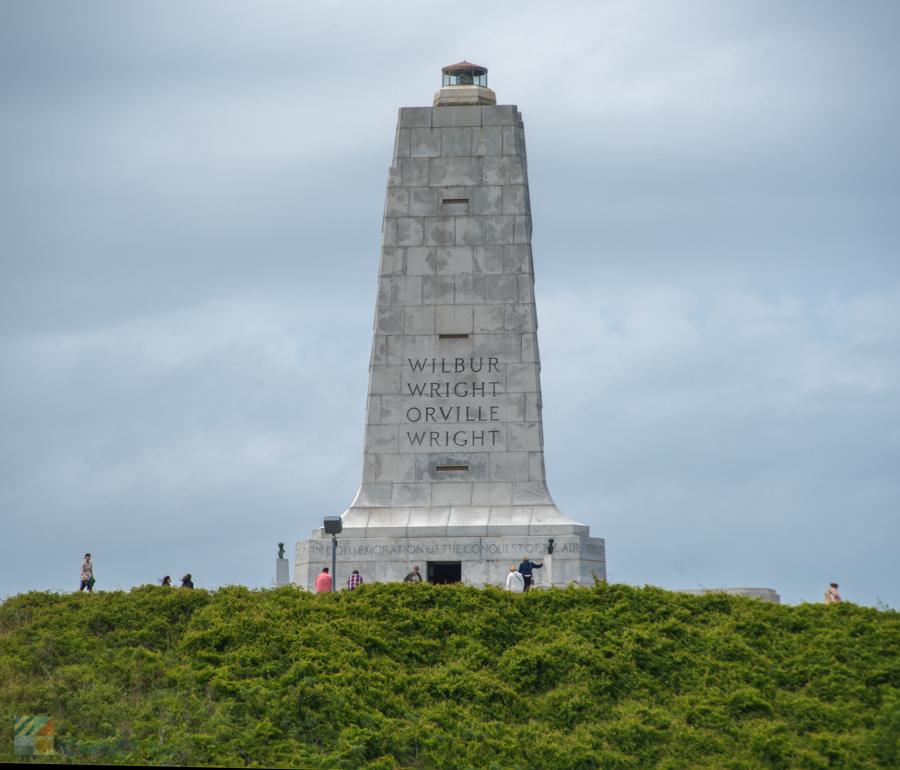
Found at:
<point>453,462</point>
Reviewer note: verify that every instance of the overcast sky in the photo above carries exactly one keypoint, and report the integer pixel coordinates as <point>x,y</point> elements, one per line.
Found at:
<point>190,221</point>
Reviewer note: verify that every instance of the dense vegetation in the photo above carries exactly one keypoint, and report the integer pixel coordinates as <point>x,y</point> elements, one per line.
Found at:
<point>452,677</point>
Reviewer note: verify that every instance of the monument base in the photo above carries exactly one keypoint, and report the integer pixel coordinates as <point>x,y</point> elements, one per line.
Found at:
<point>282,572</point>
<point>475,561</point>
<point>766,594</point>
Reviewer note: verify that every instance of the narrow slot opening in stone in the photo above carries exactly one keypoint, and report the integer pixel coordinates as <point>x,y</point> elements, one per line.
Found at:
<point>452,468</point>
<point>453,336</point>
<point>455,200</point>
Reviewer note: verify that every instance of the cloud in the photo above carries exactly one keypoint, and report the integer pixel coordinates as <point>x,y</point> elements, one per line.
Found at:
<point>185,422</point>
<point>692,422</point>
<point>189,231</point>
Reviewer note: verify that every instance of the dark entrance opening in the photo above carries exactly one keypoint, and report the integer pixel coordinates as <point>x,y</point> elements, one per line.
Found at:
<point>444,572</point>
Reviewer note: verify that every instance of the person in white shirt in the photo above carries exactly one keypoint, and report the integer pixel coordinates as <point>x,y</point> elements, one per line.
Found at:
<point>514,581</point>
<point>87,574</point>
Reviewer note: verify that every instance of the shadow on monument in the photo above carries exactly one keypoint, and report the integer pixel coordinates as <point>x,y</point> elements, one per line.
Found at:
<point>444,572</point>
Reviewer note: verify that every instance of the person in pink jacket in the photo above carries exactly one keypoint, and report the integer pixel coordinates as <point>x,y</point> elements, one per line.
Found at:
<point>831,594</point>
<point>323,582</point>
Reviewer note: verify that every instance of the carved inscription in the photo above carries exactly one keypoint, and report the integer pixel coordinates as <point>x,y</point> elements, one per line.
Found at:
<point>443,389</point>
<point>459,438</point>
<point>459,414</point>
<point>456,365</point>
<point>473,550</point>
<point>440,414</point>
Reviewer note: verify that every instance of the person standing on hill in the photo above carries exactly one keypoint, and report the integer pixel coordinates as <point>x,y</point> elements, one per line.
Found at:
<point>165,582</point>
<point>831,594</point>
<point>514,581</point>
<point>87,575</point>
<point>414,576</point>
<point>186,581</point>
<point>323,582</point>
<point>354,580</point>
<point>525,568</point>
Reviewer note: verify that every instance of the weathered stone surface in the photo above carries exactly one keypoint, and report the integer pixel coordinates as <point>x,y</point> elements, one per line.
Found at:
<point>415,117</point>
<point>453,450</point>
<point>501,115</point>
<point>456,116</point>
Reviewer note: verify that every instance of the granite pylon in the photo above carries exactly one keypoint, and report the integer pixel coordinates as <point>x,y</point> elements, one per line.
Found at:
<point>453,462</point>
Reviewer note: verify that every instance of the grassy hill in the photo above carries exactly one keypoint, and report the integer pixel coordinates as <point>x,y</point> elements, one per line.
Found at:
<point>452,677</point>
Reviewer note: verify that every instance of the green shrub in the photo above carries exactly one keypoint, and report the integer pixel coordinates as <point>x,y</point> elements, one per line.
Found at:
<point>428,676</point>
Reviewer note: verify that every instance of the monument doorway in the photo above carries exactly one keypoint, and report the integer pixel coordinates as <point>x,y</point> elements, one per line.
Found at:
<point>444,572</point>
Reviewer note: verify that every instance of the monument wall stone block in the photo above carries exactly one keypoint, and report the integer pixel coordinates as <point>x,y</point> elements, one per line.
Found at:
<point>487,141</point>
<point>493,493</point>
<point>488,259</point>
<point>397,202</point>
<point>438,290</point>
<point>495,170</point>
<point>411,494</point>
<point>457,116</point>
<point>401,143</point>
<point>396,468</point>
<point>498,230</point>
<point>456,142</point>
<point>414,172</point>
<point>428,522</point>
<point>425,143</point>
<point>469,289</point>
<point>502,288</point>
<point>526,290</point>
<point>536,466</point>
<point>423,201</point>
<point>418,319</point>
<point>440,231</point>
<point>415,117</point>
<point>489,319</point>
<point>455,260</point>
<point>449,172</point>
<point>518,174</point>
<point>510,466</point>
<point>468,520</point>
<point>421,260</point>
<point>499,115</point>
<point>470,230</point>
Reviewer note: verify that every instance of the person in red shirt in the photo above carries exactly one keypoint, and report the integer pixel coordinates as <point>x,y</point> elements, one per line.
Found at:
<point>323,582</point>
<point>355,580</point>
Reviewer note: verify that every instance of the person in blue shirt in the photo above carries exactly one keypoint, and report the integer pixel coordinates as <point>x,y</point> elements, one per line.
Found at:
<point>526,567</point>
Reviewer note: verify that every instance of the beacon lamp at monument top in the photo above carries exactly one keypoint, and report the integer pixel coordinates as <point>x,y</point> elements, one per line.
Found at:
<point>453,462</point>
<point>464,84</point>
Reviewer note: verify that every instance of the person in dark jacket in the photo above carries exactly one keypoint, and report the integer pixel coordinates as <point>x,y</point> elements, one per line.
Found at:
<point>165,582</point>
<point>414,576</point>
<point>186,581</point>
<point>526,567</point>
